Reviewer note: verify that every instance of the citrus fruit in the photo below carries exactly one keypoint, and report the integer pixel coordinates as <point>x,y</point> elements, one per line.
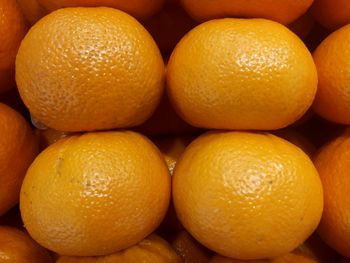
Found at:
<point>137,8</point>
<point>331,14</point>
<point>332,62</point>
<point>241,74</point>
<point>284,12</point>
<point>172,148</point>
<point>12,30</point>
<point>95,194</point>
<point>18,148</point>
<point>332,163</point>
<point>18,247</point>
<point>247,195</point>
<point>152,249</point>
<point>109,75</point>
<point>32,10</point>
<point>169,26</point>
<point>189,249</point>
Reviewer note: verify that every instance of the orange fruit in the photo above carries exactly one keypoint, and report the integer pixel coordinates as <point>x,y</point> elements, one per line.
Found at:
<point>111,72</point>
<point>18,247</point>
<point>152,249</point>
<point>169,26</point>
<point>101,193</point>
<point>283,12</point>
<point>137,8</point>
<point>165,121</point>
<point>241,74</point>
<point>172,148</point>
<point>32,10</point>
<point>331,14</point>
<point>332,163</point>
<point>331,57</point>
<point>303,25</point>
<point>12,30</point>
<point>247,195</point>
<point>189,249</point>
<point>18,148</point>
<point>50,136</point>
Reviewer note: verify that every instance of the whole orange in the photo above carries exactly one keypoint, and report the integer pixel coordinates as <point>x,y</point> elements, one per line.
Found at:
<point>331,57</point>
<point>333,163</point>
<point>284,12</point>
<point>137,8</point>
<point>331,14</point>
<point>95,194</point>
<point>89,69</point>
<point>152,249</point>
<point>18,148</point>
<point>18,247</point>
<point>12,30</point>
<point>241,74</point>
<point>189,249</point>
<point>247,195</point>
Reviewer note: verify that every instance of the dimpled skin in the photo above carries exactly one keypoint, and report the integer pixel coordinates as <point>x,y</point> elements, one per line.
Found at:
<point>12,30</point>
<point>284,12</point>
<point>18,247</point>
<point>136,8</point>
<point>18,148</point>
<point>247,195</point>
<point>331,14</point>
<point>95,194</point>
<point>241,74</point>
<point>332,59</point>
<point>83,69</point>
<point>152,249</point>
<point>332,163</point>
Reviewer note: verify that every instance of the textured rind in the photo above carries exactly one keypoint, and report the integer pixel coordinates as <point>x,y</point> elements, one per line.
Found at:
<point>95,194</point>
<point>241,74</point>
<point>332,58</point>
<point>83,69</point>
<point>246,195</point>
<point>332,163</point>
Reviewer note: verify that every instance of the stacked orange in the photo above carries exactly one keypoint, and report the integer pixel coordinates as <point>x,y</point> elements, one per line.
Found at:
<point>89,70</point>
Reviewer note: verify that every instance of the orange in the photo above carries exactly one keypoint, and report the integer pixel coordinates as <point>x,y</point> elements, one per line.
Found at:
<point>169,26</point>
<point>137,8</point>
<point>18,247</point>
<point>331,14</point>
<point>165,121</point>
<point>50,136</point>
<point>331,57</point>
<point>100,193</point>
<point>109,75</point>
<point>284,12</point>
<point>12,30</point>
<point>288,258</point>
<point>18,148</point>
<point>153,249</point>
<point>189,249</point>
<point>241,74</point>
<point>172,148</point>
<point>333,163</point>
<point>247,195</point>
<point>32,10</point>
